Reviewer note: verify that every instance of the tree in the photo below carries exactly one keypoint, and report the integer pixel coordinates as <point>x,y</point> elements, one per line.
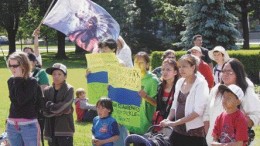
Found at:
<point>61,46</point>
<point>244,21</point>
<point>170,16</point>
<point>212,20</point>
<point>254,6</point>
<point>10,12</point>
<point>30,21</point>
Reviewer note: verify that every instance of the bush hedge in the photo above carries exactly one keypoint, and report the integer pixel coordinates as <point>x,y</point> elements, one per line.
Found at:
<point>250,59</point>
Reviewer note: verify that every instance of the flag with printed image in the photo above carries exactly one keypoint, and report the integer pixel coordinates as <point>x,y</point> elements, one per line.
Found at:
<point>83,21</point>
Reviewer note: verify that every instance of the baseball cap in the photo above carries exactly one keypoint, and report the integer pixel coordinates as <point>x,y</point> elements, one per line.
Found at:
<point>57,66</point>
<point>236,90</point>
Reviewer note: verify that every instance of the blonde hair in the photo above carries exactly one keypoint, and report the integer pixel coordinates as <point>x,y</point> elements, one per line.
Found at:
<point>79,91</point>
<point>23,61</point>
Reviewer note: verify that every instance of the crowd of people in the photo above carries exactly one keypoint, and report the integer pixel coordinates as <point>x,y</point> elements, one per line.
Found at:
<point>204,105</point>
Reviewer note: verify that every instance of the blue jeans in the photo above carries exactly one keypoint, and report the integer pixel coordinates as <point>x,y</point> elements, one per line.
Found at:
<point>24,135</point>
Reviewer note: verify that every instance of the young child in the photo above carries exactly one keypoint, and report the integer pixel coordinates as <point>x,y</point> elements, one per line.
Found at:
<point>105,128</point>
<point>85,111</point>
<point>230,126</point>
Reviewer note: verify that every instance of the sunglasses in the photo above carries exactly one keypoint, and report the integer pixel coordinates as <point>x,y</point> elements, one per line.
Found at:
<point>13,66</point>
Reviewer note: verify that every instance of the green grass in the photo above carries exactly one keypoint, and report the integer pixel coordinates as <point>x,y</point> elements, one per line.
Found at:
<point>76,70</point>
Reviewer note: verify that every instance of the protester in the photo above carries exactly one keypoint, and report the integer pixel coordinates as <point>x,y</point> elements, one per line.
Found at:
<point>110,46</point>
<point>84,110</point>
<point>220,56</point>
<point>148,93</point>
<point>190,99</point>
<point>230,126</point>
<point>42,78</point>
<point>166,54</point>
<point>203,67</point>
<point>59,123</point>
<point>123,52</point>
<point>233,72</point>
<point>105,128</point>
<point>170,75</point>
<point>36,50</point>
<point>197,40</point>
<point>25,96</point>
<point>38,73</point>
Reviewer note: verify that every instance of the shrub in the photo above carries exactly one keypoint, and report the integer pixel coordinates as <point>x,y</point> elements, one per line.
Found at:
<point>250,59</point>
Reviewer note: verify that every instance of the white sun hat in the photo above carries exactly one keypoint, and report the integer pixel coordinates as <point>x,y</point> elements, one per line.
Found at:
<point>221,50</point>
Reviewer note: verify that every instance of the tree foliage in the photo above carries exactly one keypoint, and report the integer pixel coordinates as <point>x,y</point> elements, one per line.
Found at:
<point>30,21</point>
<point>145,24</point>
<point>212,21</point>
<point>170,14</point>
<point>10,12</point>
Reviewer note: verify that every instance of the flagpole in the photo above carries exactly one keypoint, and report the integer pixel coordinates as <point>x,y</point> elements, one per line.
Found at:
<point>46,13</point>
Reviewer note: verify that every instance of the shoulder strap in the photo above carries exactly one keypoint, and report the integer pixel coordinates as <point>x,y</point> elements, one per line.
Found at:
<point>170,97</point>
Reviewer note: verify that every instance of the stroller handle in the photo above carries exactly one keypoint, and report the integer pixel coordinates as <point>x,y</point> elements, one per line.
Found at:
<point>154,126</point>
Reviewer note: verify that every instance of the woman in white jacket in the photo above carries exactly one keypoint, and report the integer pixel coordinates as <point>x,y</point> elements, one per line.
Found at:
<point>233,73</point>
<point>186,115</point>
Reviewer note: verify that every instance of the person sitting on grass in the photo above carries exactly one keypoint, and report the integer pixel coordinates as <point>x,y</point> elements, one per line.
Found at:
<point>85,111</point>
<point>231,125</point>
<point>105,128</point>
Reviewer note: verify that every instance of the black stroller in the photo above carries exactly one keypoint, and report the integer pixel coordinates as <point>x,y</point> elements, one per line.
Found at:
<point>151,138</point>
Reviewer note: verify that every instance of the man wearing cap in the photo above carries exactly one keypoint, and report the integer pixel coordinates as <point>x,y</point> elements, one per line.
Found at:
<point>203,67</point>
<point>59,124</point>
<point>220,56</point>
<point>231,125</point>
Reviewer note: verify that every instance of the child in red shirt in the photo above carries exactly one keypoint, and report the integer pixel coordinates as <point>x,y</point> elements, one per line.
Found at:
<point>230,126</point>
<point>85,111</point>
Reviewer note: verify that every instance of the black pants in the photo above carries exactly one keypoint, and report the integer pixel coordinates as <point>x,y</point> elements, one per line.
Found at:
<point>61,141</point>
<point>177,139</point>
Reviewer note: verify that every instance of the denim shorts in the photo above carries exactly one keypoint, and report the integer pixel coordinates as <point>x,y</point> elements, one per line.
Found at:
<point>23,135</point>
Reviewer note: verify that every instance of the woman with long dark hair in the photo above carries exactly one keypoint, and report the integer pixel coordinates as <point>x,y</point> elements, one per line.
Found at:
<point>170,75</point>
<point>233,72</point>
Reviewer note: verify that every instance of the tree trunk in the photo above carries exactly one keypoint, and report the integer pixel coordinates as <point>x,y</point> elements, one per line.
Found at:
<point>11,29</point>
<point>61,46</point>
<point>244,22</point>
<point>79,50</point>
<point>11,38</point>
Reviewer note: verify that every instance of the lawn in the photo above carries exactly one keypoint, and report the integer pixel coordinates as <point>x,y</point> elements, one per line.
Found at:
<point>76,71</point>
